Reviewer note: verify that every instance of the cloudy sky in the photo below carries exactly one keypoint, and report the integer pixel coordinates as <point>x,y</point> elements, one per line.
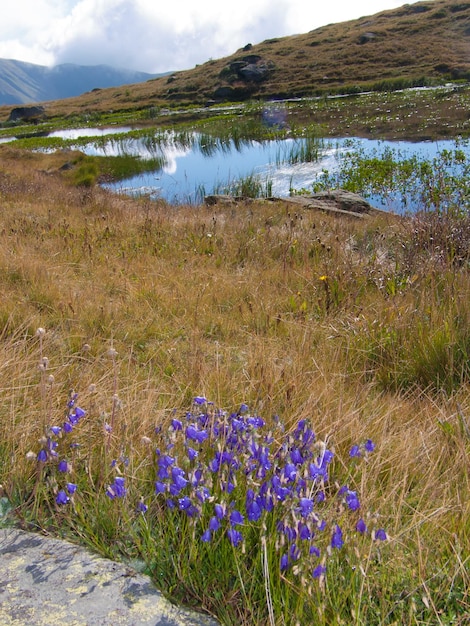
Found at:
<point>160,35</point>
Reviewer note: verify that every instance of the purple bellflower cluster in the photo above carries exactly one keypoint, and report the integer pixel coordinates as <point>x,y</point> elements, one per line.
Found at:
<point>50,449</point>
<point>231,476</point>
<point>236,480</point>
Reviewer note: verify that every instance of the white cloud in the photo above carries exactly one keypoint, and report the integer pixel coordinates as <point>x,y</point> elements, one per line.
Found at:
<point>22,28</point>
<point>157,36</point>
<point>311,16</point>
<point>99,31</point>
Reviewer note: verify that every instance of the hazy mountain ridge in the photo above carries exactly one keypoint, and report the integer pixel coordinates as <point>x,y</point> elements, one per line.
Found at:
<point>23,83</point>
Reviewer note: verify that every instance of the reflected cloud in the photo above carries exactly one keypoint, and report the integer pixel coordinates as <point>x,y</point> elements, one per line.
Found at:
<point>171,155</point>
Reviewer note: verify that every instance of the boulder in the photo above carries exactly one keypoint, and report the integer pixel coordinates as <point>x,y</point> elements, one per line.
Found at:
<point>344,200</point>
<point>45,580</point>
<point>27,114</point>
<point>336,201</point>
<point>236,66</point>
<point>255,72</point>
<point>251,68</point>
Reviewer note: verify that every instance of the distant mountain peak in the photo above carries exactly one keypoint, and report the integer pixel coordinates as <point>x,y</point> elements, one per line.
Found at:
<point>25,83</point>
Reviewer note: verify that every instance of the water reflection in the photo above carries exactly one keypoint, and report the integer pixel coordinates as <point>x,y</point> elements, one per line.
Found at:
<point>198,164</point>
<point>76,133</point>
<point>70,133</point>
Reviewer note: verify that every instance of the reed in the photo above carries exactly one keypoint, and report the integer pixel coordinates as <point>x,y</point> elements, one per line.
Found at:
<point>251,186</point>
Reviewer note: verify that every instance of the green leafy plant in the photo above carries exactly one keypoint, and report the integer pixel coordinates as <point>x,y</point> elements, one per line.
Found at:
<point>409,183</point>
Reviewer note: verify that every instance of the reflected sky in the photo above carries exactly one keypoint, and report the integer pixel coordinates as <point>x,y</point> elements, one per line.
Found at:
<point>196,165</point>
<point>189,173</point>
<point>76,133</point>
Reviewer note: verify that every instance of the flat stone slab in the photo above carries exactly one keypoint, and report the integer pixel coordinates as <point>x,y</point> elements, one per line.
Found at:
<point>50,582</point>
<point>319,204</point>
<point>336,202</point>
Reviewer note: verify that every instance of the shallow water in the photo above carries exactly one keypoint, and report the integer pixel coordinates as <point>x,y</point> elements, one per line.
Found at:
<point>197,165</point>
<point>190,172</point>
<point>76,133</point>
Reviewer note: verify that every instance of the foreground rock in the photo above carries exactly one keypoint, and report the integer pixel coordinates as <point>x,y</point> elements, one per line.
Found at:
<point>50,581</point>
<point>336,201</point>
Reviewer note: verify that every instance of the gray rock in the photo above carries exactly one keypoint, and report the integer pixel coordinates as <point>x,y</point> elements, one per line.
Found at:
<point>344,200</point>
<point>236,66</point>
<point>250,68</point>
<point>367,37</point>
<point>225,199</point>
<point>255,72</point>
<point>27,114</point>
<point>46,581</point>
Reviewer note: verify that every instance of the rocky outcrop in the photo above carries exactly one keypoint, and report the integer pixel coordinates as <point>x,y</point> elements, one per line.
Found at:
<point>251,68</point>
<point>224,199</point>
<point>344,200</point>
<point>243,77</point>
<point>336,201</point>
<point>50,581</point>
<point>27,114</point>
<point>255,72</point>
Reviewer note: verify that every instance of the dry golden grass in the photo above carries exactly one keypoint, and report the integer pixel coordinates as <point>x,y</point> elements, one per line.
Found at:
<point>228,302</point>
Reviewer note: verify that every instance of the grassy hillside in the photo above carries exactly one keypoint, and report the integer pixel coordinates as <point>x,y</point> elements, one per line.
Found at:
<point>414,44</point>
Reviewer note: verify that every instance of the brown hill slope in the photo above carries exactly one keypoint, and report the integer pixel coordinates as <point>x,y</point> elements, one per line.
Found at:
<point>414,44</point>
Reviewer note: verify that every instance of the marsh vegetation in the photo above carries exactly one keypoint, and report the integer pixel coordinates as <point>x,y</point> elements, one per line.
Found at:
<point>277,148</point>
